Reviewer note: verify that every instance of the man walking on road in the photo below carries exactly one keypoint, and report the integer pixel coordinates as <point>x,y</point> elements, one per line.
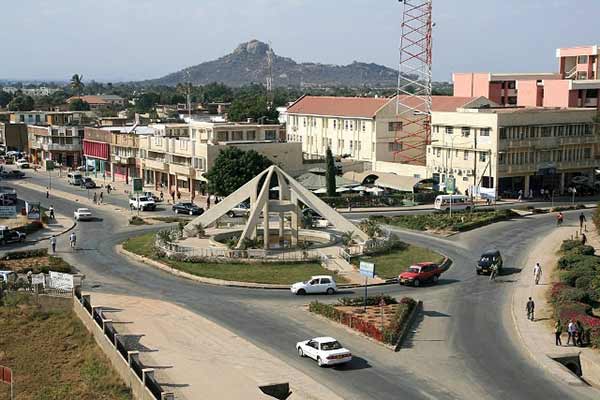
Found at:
<point>73,240</point>
<point>582,220</point>
<point>101,197</point>
<point>53,244</point>
<point>537,273</point>
<point>530,309</point>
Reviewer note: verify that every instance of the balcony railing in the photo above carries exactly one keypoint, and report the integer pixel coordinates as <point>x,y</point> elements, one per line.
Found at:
<point>547,142</point>
<point>534,167</point>
<point>61,147</point>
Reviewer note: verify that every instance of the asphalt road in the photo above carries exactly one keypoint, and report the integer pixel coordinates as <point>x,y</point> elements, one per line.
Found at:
<point>465,347</point>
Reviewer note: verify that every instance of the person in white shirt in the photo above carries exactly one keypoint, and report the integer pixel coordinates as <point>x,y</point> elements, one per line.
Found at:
<point>571,331</point>
<point>537,273</point>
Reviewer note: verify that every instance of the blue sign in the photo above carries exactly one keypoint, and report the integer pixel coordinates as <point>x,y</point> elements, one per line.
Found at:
<point>367,269</point>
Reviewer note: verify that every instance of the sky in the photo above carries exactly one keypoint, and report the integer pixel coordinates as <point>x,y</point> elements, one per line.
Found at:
<point>120,40</point>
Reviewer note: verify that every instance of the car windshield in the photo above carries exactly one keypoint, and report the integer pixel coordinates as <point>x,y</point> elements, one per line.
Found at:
<point>143,199</point>
<point>416,270</point>
<point>84,210</point>
<point>331,346</point>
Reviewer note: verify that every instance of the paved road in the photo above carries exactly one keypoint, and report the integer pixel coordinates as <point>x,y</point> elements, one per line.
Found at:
<point>465,347</point>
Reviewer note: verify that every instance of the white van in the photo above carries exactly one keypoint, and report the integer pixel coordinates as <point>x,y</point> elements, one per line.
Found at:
<point>74,178</point>
<point>459,203</point>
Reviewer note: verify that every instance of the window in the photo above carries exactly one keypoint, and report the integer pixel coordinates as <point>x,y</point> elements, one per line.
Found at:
<point>484,132</point>
<point>325,280</point>
<point>222,136</point>
<point>314,122</point>
<point>466,155</point>
<point>183,144</point>
<point>237,135</point>
<point>334,123</point>
<point>511,85</point>
<point>587,153</point>
<point>351,146</point>
<point>439,152</point>
<point>582,59</point>
<point>546,131</point>
<point>329,143</point>
<point>304,122</point>
<point>325,122</point>
<point>364,126</point>
<point>465,131</point>
<point>456,153</point>
<point>395,126</point>
<point>501,158</point>
<point>449,130</point>
<point>251,135</point>
<point>482,157</point>
<point>270,135</point>
<point>393,146</point>
<point>346,125</point>
<point>351,125</point>
<point>436,129</point>
<point>502,133</point>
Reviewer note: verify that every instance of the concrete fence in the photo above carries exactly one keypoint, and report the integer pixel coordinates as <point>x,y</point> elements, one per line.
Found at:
<point>139,379</point>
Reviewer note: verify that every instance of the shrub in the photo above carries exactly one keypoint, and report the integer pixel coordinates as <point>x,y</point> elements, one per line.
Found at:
<point>135,220</point>
<point>584,282</point>
<point>371,301</point>
<point>17,255</point>
<point>392,333</point>
<point>570,294</point>
<point>584,250</point>
<point>570,276</point>
<point>569,245</point>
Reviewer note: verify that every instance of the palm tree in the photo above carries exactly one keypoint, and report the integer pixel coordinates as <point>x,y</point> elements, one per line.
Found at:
<point>371,228</point>
<point>77,84</point>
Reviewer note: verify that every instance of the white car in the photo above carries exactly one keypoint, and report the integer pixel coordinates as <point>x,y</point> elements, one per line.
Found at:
<point>22,163</point>
<point>324,350</point>
<point>316,284</point>
<point>82,214</point>
<point>240,210</point>
<point>142,203</point>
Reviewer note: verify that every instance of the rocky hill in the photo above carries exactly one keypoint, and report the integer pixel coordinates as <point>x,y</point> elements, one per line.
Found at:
<point>248,64</point>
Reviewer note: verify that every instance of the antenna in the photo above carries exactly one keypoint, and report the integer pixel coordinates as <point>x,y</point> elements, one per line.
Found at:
<point>269,77</point>
<point>413,96</point>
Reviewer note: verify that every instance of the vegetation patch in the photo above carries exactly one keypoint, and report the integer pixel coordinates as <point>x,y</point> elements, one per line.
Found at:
<point>382,323</point>
<point>578,291</point>
<point>268,273</point>
<point>458,222</point>
<point>52,355</point>
<point>135,220</point>
<point>392,262</point>
<point>36,261</point>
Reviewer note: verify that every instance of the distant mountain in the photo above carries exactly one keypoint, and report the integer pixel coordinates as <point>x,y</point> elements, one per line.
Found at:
<point>248,64</point>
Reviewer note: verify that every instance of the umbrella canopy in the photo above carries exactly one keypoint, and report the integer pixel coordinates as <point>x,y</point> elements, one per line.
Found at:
<point>313,181</point>
<point>320,191</point>
<point>360,188</point>
<point>374,190</point>
<point>342,190</point>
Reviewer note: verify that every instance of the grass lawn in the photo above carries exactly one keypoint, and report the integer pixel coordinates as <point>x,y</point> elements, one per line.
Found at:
<point>272,273</point>
<point>391,264</point>
<point>52,354</point>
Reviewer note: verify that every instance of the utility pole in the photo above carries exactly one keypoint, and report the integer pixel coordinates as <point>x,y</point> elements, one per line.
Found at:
<point>269,78</point>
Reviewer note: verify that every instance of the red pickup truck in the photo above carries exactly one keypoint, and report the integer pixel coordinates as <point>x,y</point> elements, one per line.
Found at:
<point>420,273</point>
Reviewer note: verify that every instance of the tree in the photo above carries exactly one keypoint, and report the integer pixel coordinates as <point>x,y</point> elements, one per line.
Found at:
<point>77,84</point>
<point>371,228</point>
<point>5,98</point>
<point>79,105</point>
<point>233,168</point>
<point>21,103</point>
<point>251,106</point>
<point>330,173</point>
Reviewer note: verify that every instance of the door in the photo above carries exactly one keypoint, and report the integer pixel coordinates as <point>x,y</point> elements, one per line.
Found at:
<point>313,286</point>
<point>311,349</point>
<point>325,284</point>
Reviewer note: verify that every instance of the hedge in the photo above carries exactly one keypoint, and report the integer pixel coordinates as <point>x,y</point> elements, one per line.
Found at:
<point>17,255</point>
<point>389,335</point>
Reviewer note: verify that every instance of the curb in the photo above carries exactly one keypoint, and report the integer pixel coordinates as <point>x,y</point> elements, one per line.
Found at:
<point>219,282</point>
<point>409,323</point>
<point>71,227</point>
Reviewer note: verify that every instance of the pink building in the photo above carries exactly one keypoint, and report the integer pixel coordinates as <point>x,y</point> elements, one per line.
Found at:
<point>577,84</point>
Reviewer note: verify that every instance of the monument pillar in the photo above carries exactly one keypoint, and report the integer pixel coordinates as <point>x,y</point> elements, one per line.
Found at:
<point>266,225</point>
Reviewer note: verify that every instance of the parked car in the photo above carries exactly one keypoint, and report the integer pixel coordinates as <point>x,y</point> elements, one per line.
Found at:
<point>142,203</point>
<point>324,350</point>
<point>10,235</point>
<point>187,208</point>
<point>151,196</point>
<point>14,174</point>
<point>88,168</point>
<point>82,214</point>
<point>22,163</point>
<point>88,183</point>
<point>240,210</point>
<point>487,259</point>
<point>316,284</point>
<point>74,178</point>
<point>420,273</point>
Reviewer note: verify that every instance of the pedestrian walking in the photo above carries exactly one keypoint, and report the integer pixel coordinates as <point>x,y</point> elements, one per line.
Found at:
<point>559,218</point>
<point>53,244</point>
<point>520,195</point>
<point>51,211</point>
<point>47,193</point>
<point>173,196</point>
<point>162,196</point>
<point>530,309</point>
<point>571,332</point>
<point>101,197</point>
<point>208,202</point>
<point>537,273</point>
<point>582,221</point>
<point>557,332</point>
<point>583,239</point>
<point>95,198</point>
<point>108,188</point>
<point>73,240</point>
<point>542,193</point>
<point>579,333</point>
<point>178,195</point>
<point>349,205</point>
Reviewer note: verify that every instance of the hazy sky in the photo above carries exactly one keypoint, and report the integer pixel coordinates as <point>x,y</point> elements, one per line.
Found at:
<point>137,39</point>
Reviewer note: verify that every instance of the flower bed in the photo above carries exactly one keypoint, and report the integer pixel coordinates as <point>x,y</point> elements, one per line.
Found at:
<point>578,291</point>
<point>348,312</point>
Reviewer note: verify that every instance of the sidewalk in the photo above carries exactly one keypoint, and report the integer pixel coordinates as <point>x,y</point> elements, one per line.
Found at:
<point>537,336</point>
<point>196,358</point>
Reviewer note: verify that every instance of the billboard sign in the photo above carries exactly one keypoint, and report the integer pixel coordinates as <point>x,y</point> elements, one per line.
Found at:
<point>33,210</point>
<point>137,185</point>
<point>367,269</point>
<point>59,280</point>
<point>38,279</point>
<point>8,212</point>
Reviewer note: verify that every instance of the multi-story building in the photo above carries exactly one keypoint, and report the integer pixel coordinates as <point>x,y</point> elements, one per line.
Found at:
<point>39,91</point>
<point>14,136</point>
<point>28,117</point>
<point>363,129</point>
<point>178,162</point>
<point>62,144</point>
<point>512,149</point>
<point>100,102</point>
<point>577,83</point>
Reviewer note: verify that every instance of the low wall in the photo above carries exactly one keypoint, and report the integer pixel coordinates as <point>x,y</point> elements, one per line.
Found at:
<point>130,369</point>
<point>590,367</point>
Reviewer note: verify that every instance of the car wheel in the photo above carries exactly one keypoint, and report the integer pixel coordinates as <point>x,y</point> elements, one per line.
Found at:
<point>417,283</point>
<point>478,272</point>
<point>191,212</point>
<point>300,352</point>
<point>301,292</point>
<point>320,362</point>
<point>330,291</point>
<point>436,278</point>
<point>231,214</point>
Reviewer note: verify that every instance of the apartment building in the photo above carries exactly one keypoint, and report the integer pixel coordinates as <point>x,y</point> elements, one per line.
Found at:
<point>178,162</point>
<point>14,136</point>
<point>575,85</point>
<point>364,129</point>
<point>62,144</point>
<point>512,149</point>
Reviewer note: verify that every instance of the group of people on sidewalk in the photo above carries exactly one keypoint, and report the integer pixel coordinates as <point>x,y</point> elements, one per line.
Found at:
<point>575,332</point>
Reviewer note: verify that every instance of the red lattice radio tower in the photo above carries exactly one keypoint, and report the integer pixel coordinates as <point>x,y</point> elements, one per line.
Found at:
<point>413,100</point>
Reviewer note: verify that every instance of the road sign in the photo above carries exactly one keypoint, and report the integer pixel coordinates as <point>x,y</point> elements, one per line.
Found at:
<point>8,212</point>
<point>137,185</point>
<point>367,269</point>
<point>450,185</point>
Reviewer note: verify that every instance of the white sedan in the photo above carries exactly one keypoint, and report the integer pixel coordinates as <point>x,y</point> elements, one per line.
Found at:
<point>82,214</point>
<point>317,284</point>
<point>22,163</point>
<point>325,350</point>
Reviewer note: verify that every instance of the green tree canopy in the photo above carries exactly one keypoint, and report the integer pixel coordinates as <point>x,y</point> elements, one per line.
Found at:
<point>79,105</point>
<point>5,98</point>
<point>77,84</point>
<point>146,102</point>
<point>233,168</point>
<point>21,103</point>
<point>251,106</point>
